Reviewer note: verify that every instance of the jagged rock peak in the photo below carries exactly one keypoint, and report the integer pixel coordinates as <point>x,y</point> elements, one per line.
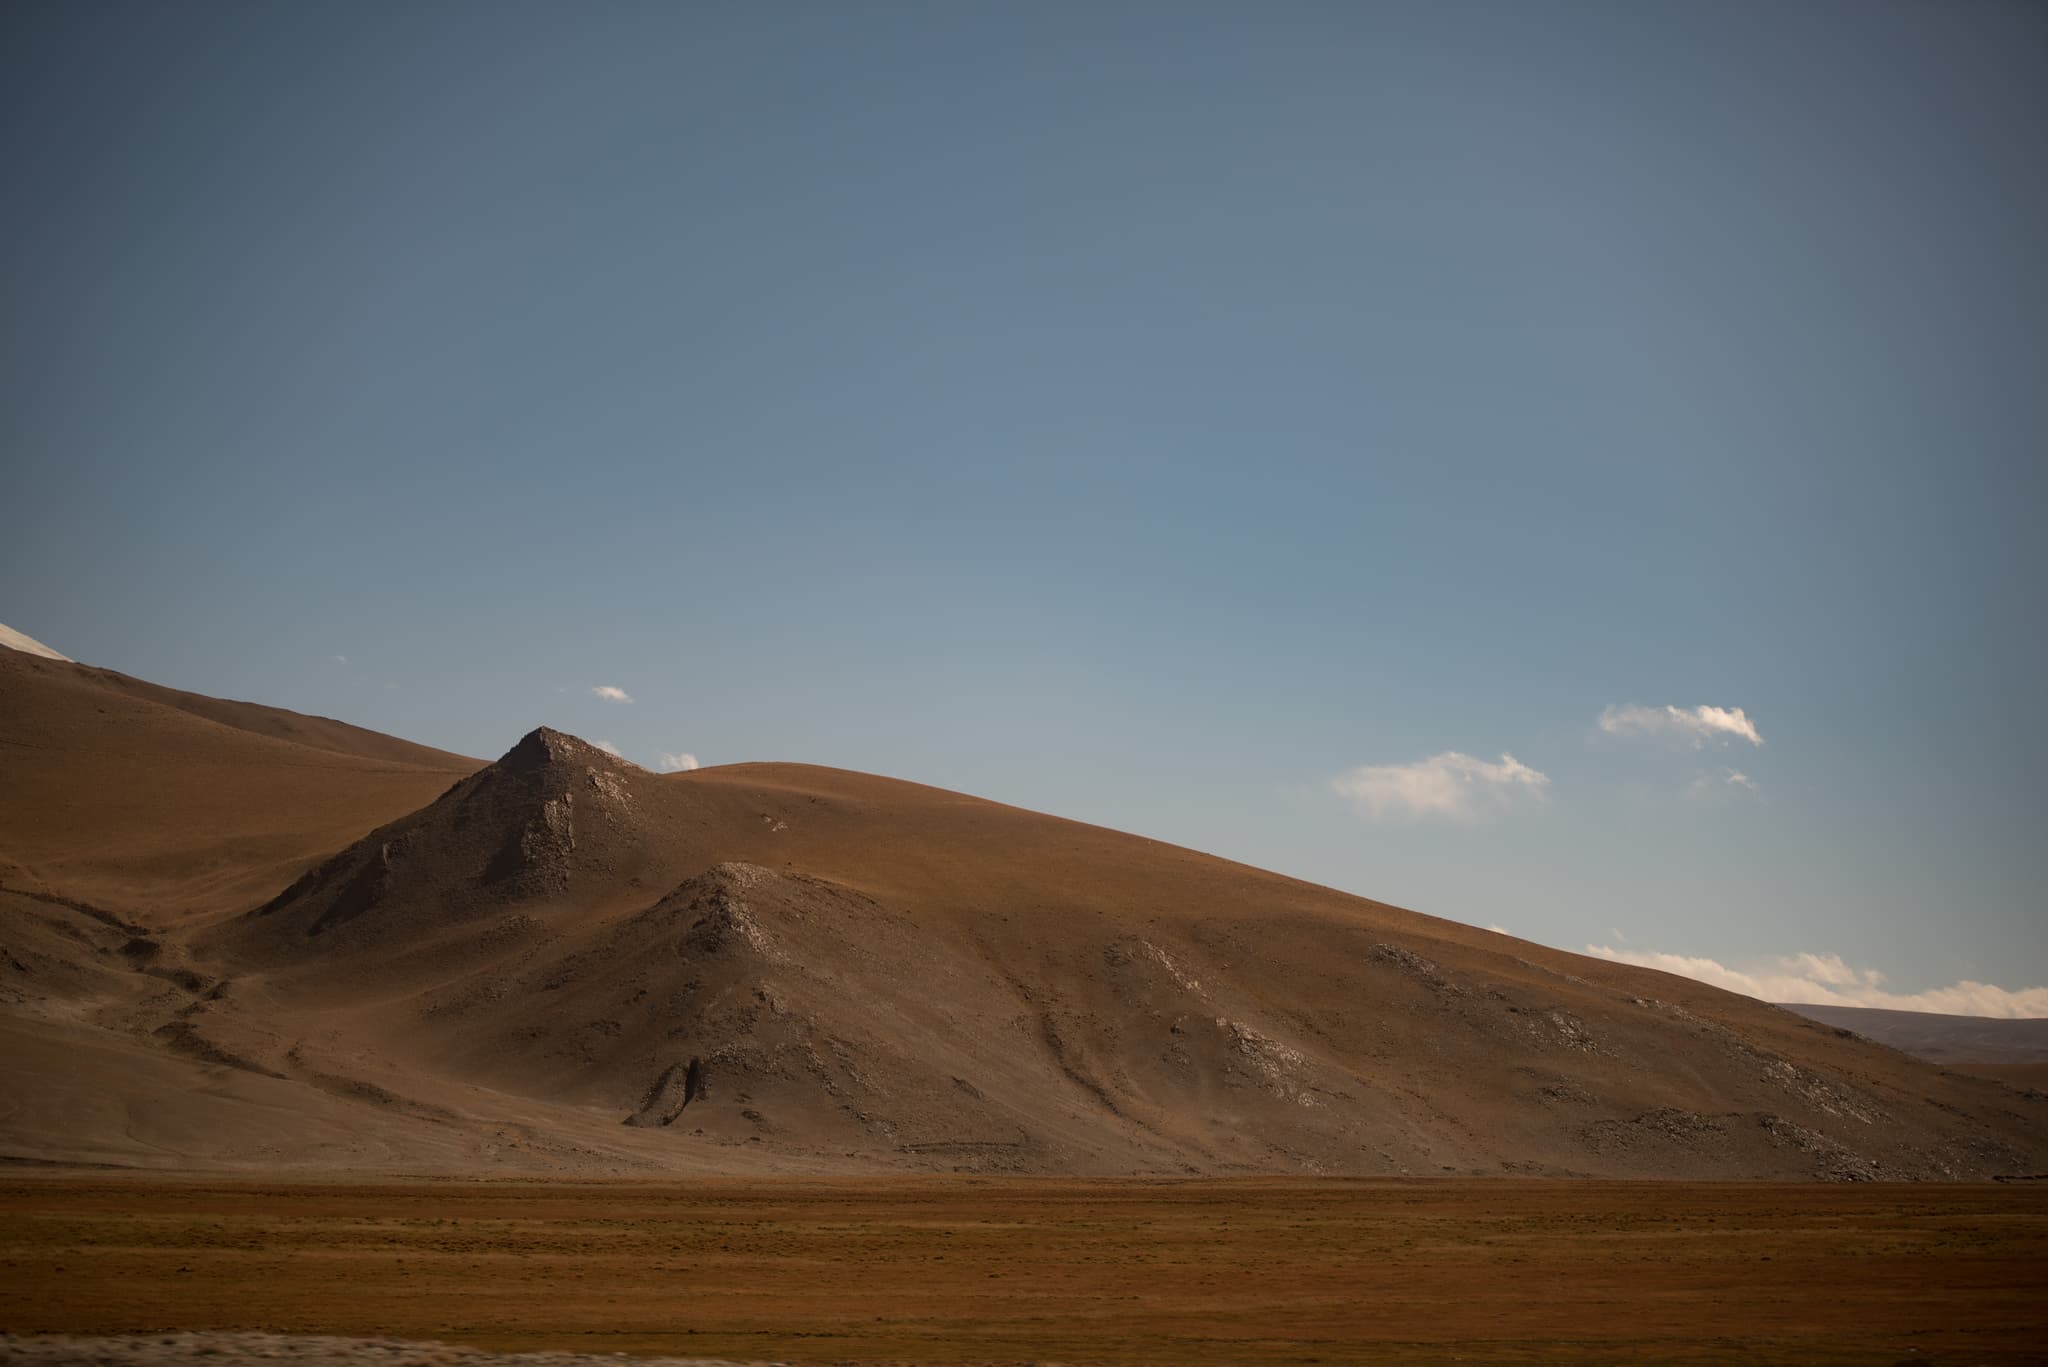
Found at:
<point>544,745</point>
<point>735,873</point>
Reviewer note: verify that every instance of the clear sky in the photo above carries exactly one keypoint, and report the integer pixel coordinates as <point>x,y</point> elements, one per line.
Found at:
<point>1355,439</point>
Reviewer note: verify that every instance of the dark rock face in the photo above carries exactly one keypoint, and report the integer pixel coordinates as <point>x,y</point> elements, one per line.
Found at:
<point>678,1086</point>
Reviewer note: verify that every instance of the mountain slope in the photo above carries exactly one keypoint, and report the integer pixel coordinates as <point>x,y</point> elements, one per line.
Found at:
<point>561,962</point>
<point>1940,1038</point>
<point>856,965</point>
<point>151,802</point>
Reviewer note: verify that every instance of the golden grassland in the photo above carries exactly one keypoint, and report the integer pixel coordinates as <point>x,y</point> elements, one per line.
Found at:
<point>967,1270</point>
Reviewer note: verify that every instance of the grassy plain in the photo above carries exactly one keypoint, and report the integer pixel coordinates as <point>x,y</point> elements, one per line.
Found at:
<point>1265,1271</point>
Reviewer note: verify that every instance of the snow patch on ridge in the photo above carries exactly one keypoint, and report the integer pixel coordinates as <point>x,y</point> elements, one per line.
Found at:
<point>29,645</point>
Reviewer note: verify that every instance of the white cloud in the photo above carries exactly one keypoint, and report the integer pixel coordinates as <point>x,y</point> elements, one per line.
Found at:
<point>608,748</point>
<point>1450,785</point>
<point>675,763</point>
<point>1499,929</point>
<point>1720,783</point>
<point>1828,980</point>
<point>612,693</point>
<point>341,659</point>
<point>1696,724</point>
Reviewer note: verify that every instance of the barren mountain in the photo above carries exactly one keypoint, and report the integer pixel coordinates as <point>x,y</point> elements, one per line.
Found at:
<point>2014,1051</point>
<point>244,939</point>
<point>139,798</point>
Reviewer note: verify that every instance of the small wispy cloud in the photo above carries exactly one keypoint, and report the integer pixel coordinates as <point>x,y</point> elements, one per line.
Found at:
<point>1451,785</point>
<point>608,748</point>
<point>1697,725</point>
<point>677,762</point>
<point>1829,980</point>
<point>1722,782</point>
<point>612,693</point>
<point>341,659</point>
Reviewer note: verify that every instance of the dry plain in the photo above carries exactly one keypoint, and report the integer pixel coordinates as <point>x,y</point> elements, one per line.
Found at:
<point>937,1270</point>
<point>770,1061</point>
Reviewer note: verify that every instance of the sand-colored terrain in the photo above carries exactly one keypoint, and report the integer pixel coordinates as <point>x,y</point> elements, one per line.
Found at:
<point>141,802</point>
<point>902,1075</point>
<point>935,1270</point>
<point>237,939</point>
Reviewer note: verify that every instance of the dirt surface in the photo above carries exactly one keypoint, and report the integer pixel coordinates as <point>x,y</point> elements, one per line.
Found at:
<point>2026,1076</point>
<point>984,1270</point>
<point>236,1350</point>
<point>126,803</point>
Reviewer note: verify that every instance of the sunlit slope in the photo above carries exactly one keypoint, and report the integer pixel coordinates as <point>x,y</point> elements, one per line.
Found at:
<point>870,969</point>
<point>145,800</point>
<point>237,938</point>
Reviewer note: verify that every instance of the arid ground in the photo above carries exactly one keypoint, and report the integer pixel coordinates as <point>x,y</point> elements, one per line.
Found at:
<point>931,1270</point>
<point>236,939</point>
<point>774,1062</point>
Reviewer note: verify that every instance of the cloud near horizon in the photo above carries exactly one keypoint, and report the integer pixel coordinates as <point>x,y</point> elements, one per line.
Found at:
<point>1828,980</point>
<point>1695,724</point>
<point>608,748</point>
<point>1450,785</point>
<point>676,763</point>
<point>612,693</point>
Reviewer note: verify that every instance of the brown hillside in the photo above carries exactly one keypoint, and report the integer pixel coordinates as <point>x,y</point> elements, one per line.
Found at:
<point>152,802</point>
<point>1940,1038</point>
<point>561,962</point>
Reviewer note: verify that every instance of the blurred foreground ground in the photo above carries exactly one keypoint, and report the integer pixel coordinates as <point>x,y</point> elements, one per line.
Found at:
<point>972,1270</point>
<point>237,1350</point>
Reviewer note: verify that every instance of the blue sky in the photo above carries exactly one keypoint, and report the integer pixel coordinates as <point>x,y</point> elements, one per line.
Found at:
<point>1197,419</point>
